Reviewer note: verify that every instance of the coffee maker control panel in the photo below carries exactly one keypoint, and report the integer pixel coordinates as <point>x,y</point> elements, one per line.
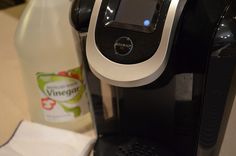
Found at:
<point>141,15</point>
<point>126,29</point>
<point>129,41</point>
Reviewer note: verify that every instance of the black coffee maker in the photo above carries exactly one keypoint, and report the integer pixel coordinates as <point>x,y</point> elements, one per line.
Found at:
<point>160,73</point>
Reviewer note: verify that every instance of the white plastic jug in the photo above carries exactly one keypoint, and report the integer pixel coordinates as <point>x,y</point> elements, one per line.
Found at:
<point>51,66</point>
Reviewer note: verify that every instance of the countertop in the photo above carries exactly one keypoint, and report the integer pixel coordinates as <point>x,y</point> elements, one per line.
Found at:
<point>13,105</point>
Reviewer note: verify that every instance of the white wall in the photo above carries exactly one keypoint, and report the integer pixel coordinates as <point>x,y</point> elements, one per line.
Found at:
<point>228,147</point>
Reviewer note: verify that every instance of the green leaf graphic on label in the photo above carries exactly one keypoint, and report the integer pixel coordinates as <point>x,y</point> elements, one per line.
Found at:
<point>43,79</point>
<point>66,88</point>
<point>76,111</point>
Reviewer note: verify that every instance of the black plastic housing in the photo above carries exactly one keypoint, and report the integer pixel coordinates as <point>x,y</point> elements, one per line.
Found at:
<point>80,14</point>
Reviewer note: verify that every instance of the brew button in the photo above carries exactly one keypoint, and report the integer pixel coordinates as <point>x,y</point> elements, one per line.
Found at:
<point>123,46</point>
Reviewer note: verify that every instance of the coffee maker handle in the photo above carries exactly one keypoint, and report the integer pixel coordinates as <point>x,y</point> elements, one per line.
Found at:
<point>80,14</point>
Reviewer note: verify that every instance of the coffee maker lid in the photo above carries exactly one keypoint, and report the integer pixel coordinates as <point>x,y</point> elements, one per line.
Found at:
<point>137,74</point>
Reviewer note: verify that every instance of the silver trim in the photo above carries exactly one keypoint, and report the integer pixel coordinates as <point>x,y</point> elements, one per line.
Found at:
<point>106,92</point>
<point>129,75</point>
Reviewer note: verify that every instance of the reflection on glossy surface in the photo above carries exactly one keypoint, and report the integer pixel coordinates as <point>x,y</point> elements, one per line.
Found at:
<point>226,31</point>
<point>110,13</point>
<point>222,62</point>
<point>110,10</point>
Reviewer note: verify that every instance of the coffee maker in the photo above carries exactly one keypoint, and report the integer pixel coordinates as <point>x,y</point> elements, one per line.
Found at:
<point>159,72</point>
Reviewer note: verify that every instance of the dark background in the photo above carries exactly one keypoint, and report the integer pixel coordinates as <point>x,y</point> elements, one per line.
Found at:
<point>9,3</point>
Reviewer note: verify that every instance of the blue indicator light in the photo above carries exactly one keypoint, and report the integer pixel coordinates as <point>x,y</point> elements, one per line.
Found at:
<point>146,23</point>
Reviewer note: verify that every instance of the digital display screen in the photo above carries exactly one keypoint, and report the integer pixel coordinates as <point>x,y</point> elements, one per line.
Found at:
<point>136,12</point>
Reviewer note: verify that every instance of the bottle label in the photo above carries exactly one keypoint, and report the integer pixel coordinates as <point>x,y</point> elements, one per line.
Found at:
<point>63,95</point>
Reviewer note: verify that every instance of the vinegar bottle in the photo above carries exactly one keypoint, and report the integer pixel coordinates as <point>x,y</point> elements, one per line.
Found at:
<point>52,68</point>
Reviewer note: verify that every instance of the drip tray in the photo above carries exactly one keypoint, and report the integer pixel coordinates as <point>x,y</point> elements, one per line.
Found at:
<point>137,148</point>
<point>130,146</point>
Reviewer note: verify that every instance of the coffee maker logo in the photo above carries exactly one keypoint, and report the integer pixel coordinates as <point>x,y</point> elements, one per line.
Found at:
<point>123,46</point>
